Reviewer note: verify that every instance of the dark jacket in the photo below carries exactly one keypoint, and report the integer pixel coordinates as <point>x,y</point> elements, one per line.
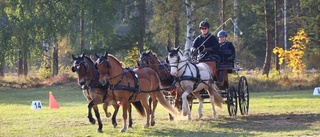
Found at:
<point>227,46</point>
<point>212,43</point>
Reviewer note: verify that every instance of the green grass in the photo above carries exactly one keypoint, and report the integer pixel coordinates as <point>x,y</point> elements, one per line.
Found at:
<point>294,113</point>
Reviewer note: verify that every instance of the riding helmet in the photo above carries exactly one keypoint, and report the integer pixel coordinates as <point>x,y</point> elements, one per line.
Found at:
<point>204,24</point>
<point>222,33</point>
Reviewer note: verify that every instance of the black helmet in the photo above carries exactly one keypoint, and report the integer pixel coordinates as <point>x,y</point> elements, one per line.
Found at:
<point>222,33</point>
<point>204,24</point>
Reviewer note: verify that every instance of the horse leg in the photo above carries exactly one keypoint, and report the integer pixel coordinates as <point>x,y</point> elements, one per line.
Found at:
<point>105,108</point>
<point>91,119</point>
<point>185,108</point>
<point>125,106</point>
<point>147,107</point>
<point>155,103</point>
<point>96,112</point>
<point>130,116</point>
<point>114,115</point>
<point>198,96</point>
<point>210,91</point>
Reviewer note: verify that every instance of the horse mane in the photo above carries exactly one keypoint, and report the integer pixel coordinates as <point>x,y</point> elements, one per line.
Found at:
<point>155,55</point>
<point>113,57</point>
<point>89,59</point>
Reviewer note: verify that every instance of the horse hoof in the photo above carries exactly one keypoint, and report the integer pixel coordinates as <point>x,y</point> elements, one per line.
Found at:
<point>189,118</point>
<point>99,130</point>
<point>214,116</point>
<point>153,123</point>
<point>123,130</point>
<point>146,126</point>
<point>130,126</point>
<point>93,121</point>
<point>115,125</point>
<point>200,115</point>
<point>108,115</point>
<point>171,118</point>
<point>185,113</point>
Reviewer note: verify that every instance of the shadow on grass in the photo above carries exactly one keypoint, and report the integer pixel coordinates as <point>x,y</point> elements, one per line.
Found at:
<point>271,123</point>
<point>185,133</point>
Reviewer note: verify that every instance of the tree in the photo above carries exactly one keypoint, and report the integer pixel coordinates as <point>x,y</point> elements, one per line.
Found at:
<point>293,57</point>
<point>268,30</point>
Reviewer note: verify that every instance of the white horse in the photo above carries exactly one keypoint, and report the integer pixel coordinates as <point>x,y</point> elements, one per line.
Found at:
<point>193,78</point>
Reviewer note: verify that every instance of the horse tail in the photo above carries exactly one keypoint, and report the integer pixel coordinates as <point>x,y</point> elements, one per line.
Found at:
<point>166,104</point>
<point>218,100</point>
<point>139,108</point>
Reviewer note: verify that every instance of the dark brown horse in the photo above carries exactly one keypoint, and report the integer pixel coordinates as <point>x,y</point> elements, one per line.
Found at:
<point>150,59</point>
<point>88,79</point>
<point>131,85</point>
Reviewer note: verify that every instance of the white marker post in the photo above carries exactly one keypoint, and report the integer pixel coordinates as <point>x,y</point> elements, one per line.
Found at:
<point>36,105</point>
<point>316,91</point>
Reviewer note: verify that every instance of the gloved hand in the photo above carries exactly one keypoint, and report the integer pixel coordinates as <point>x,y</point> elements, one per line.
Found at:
<point>207,50</point>
<point>230,58</point>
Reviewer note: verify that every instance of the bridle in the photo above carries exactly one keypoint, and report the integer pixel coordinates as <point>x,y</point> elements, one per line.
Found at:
<point>176,63</point>
<point>146,61</point>
<point>105,59</point>
<point>77,68</point>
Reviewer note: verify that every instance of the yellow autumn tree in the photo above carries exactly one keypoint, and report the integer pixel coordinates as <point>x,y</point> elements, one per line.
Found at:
<point>293,56</point>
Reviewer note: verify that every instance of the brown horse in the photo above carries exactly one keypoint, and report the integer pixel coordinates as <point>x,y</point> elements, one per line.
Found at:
<point>150,59</point>
<point>88,79</point>
<point>130,85</point>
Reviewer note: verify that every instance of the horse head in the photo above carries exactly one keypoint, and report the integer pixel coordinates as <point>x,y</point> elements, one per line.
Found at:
<point>82,68</point>
<point>149,59</point>
<point>110,68</point>
<point>173,59</point>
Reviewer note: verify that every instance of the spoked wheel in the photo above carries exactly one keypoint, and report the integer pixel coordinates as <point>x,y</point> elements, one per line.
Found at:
<point>232,101</point>
<point>243,93</point>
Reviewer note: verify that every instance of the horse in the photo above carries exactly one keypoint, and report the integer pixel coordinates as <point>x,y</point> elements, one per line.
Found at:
<point>150,59</point>
<point>193,78</point>
<point>95,93</point>
<point>130,85</point>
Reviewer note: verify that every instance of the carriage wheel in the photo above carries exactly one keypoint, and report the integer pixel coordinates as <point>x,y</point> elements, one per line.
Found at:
<point>243,93</point>
<point>232,101</point>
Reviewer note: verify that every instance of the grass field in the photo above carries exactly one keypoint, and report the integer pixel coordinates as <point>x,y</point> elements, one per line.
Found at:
<point>290,113</point>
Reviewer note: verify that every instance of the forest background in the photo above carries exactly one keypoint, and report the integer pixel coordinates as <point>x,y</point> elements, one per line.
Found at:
<point>37,38</point>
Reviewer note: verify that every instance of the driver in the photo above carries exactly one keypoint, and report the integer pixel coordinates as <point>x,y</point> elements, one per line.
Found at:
<point>206,47</point>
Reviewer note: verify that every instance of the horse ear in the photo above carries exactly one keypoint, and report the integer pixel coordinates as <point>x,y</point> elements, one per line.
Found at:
<point>178,48</point>
<point>167,60</point>
<point>97,56</point>
<point>138,63</point>
<point>168,49</point>
<point>106,54</point>
<point>74,58</point>
<point>82,54</point>
<point>73,69</point>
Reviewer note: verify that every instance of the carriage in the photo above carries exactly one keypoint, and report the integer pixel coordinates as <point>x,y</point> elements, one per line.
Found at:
<point>233,97</point>
<point>235,94</point>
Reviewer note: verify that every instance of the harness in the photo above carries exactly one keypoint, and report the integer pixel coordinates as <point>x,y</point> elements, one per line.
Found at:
<point>128,87</point>
<point>196,78</point>
<point>93,82</point>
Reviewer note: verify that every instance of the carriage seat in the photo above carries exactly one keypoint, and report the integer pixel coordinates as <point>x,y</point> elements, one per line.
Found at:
<point>224,63</point>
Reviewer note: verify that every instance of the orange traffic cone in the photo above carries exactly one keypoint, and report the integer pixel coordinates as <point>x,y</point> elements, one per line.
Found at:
<point>52,101</point>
